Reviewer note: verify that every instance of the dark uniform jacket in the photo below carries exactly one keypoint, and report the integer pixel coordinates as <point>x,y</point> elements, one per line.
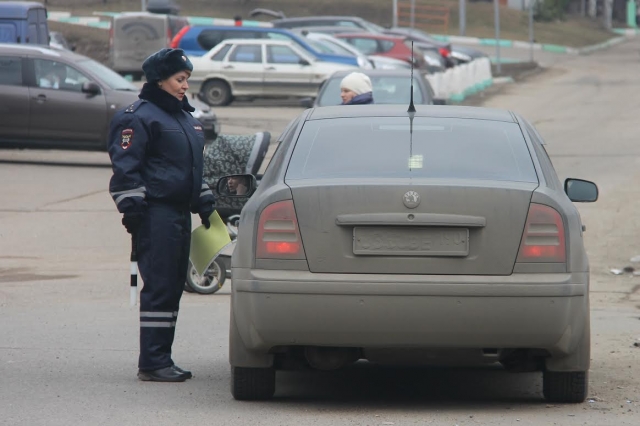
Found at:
<point>156,150</point>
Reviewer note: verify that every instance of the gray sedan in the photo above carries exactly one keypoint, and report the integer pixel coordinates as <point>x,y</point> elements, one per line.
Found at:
<point>437,237</point>
<point>389,87</point>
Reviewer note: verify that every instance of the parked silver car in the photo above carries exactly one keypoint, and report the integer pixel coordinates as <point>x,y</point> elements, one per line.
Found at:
<point>436,236</point>
<point>258,68</point>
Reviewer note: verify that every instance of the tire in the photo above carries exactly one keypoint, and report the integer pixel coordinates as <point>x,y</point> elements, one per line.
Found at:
<point>250,384</point>
<point>216,93</point>
<point>187,287</point>
<point>212,280</point>
<point>565,386</point>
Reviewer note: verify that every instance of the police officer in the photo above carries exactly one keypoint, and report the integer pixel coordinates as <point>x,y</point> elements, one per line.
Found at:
<point>156,150</point>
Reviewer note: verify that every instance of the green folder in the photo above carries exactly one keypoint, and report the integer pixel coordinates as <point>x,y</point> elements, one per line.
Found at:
<point>207,243</point>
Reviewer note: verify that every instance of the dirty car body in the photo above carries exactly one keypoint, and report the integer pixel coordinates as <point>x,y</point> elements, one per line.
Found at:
<point>442,236</point>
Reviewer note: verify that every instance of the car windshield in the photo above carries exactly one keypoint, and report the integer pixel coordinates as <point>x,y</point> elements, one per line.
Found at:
<point>337,48</point>
<point>321,47</point>
<point>425,147</point>
<point>386,90</point>
<point>107,76</point>
<point>370,26</point>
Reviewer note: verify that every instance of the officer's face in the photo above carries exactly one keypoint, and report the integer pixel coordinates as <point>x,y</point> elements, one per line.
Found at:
<point>176,85</point>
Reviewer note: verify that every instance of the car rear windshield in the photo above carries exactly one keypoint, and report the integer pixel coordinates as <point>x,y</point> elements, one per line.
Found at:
<point>386,90</point>
<point>450,148</point>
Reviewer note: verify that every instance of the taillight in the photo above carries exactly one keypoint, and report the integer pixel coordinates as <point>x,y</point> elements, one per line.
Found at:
<point>444,52</point>
<point>543,239</point>
<point>278,233</point>
<point>175,43</point>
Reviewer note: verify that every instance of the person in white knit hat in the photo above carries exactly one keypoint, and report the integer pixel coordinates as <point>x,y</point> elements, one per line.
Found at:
<point>355,89</point>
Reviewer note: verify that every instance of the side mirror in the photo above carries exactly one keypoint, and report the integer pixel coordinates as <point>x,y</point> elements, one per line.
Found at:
<point>304,62</point>
<point>90,88</point>
<point>238,186</point>
<point>581,191</point>
<point>306,102</point>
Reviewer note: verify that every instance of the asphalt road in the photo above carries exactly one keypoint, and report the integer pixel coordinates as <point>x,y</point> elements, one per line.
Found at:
<point>68,347</point>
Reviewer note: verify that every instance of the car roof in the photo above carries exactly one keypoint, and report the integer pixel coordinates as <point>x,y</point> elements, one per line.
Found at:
<point>364,34</point>
<point>403,72</point>
<point>243,28</point>
<point>18,9</point>
<point>41,50</point>
<point>318,18</point>
<point>389,110</point>
<point>256,41</point>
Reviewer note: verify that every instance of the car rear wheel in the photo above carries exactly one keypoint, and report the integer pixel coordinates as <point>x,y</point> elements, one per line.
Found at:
<point>208,283</point>
<point>252,383</point>
<point>565,386</point>
<point>216,93</point>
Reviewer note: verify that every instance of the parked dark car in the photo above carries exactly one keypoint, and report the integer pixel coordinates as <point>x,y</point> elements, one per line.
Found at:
<point>52,98</point>
<point>197,40</point>
<point>389,87</point>
<point>355,23</point>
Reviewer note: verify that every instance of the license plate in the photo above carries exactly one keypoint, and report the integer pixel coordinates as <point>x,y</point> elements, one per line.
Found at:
<point>410,241</point>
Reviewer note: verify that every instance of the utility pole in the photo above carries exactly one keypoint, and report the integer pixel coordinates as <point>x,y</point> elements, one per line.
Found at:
<point>394,22</point>
<point>496,9</point>
<point>608,10</point>
<point>531,4</point>
<point>144,5</point>
<point>413,12</point>
<point>463,17</point>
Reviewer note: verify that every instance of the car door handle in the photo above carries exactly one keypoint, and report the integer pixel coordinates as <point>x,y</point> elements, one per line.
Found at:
<point>228,67</point>
<point>270,69</point>
<point>40,98</point>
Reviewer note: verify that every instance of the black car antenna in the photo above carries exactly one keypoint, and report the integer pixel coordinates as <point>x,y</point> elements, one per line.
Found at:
<point>412,107</point>
<point>412,113</point>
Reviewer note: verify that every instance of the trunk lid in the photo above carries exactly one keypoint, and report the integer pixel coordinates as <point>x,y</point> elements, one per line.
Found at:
<point>365,227</point>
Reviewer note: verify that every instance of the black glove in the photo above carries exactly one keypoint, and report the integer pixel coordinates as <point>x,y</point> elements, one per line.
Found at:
<point>204,216</point>
<point>132,221</point>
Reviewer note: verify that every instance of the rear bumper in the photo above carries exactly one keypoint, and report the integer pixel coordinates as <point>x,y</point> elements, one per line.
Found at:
<point>282,308</point>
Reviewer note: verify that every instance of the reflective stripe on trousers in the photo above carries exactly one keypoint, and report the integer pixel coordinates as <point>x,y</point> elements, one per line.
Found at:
<point>163,258</point>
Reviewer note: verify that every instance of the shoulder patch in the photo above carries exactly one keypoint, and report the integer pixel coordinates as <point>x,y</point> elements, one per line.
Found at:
<point>134,106</point>
<point>126,138</point>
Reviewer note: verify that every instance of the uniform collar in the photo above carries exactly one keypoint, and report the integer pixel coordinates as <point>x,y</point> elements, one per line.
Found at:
<point>152,93</point>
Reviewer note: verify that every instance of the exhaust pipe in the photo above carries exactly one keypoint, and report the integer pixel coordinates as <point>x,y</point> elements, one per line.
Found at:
<point>328,359</point>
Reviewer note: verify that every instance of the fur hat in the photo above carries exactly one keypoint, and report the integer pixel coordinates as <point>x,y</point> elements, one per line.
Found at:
<point>165,63</point>
<point>357,82</point>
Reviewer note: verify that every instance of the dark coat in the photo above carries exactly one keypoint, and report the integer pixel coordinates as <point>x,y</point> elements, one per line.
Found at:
<point>156,149</point>
<point>362,99</point>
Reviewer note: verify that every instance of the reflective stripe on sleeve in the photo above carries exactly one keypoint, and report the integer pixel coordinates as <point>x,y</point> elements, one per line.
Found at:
<point>205,193</point>
<point>135,192</point>
<point>152,324</point>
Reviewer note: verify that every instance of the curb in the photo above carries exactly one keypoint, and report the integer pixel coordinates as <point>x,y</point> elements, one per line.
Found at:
<point>480,87</point>
<point>554,48</point>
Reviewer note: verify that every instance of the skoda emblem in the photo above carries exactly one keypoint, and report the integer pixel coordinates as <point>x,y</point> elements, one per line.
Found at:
<point>411,199</point>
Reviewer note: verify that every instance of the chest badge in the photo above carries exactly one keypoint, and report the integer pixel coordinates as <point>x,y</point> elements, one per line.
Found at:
<point>198,128</point>
<point>411,199</point>
<point>126,138</point>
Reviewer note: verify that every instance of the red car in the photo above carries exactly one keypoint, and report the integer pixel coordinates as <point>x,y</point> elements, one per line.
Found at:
<point>396,47</point>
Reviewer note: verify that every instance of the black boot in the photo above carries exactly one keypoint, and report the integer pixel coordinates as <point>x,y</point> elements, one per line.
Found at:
<point>167,374</point>
<point>180,370</point>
